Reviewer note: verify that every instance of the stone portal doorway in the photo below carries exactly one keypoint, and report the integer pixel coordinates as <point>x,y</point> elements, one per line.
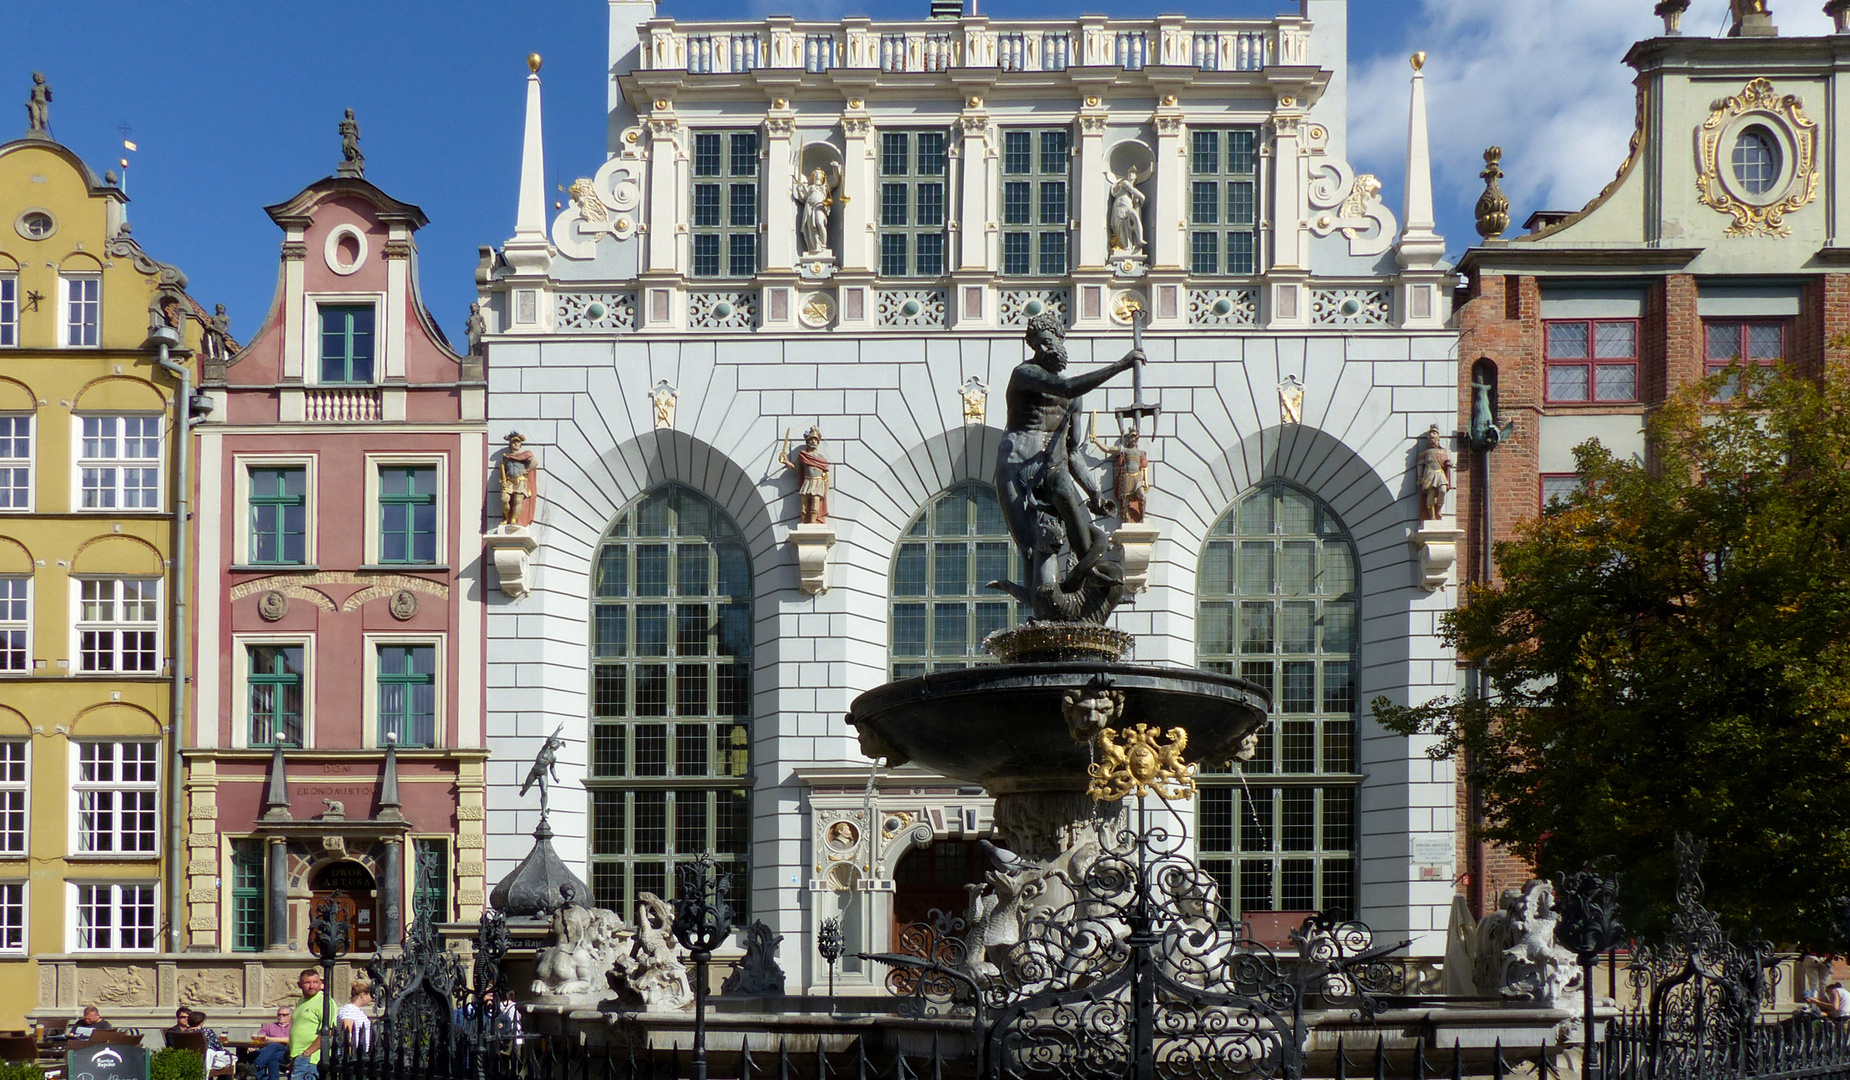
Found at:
<point>934,877</point>
<point>358,902</point>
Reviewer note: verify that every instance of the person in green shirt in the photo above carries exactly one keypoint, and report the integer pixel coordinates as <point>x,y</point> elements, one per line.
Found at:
<point>305,1027</point>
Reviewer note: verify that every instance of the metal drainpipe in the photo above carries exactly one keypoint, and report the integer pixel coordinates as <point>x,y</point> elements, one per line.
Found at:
<point>166,337</point>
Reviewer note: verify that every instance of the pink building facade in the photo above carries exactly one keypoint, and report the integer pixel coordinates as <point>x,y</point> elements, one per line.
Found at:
<point>338,741</point>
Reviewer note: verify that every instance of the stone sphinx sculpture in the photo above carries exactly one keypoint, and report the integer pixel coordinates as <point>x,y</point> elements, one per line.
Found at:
<point>1514,954</point>
<point>586,946</point>
<point>757,971</point>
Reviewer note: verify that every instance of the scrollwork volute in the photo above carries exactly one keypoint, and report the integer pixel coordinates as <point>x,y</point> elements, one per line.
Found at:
<point>1796,183</point>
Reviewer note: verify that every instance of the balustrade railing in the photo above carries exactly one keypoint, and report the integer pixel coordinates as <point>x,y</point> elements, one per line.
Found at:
<point>339,405</point>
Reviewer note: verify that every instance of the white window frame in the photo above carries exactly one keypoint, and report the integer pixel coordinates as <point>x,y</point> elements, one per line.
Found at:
<point>116,786</point>
<point>241,683</point>
<point>377,462</point>
<point>115,624</point>
<point>10,625</point>
<point>65,300</point>
<point>15,796</point>
<point>8,463</point>
<point>241,498</point>
<point>369,734</point>
<point>114,891</point>
<point>311,335</point>
<point>13,906</point>
<point>118,440</point>
<point>9,310</point>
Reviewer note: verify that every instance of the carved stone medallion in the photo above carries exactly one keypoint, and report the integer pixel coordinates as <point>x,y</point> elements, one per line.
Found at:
<point>404,604</point>
<point>272,605</point>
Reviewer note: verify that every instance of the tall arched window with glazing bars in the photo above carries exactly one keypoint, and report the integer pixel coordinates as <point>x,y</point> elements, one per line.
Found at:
<point>1278,606</point>
<point>942,607</point>
<point>671,692</point>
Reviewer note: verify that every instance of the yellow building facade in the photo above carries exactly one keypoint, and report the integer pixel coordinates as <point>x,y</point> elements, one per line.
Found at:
<point>90,482</point>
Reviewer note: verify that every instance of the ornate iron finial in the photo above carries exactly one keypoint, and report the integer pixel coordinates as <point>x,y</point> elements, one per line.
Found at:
<point>1840,905</point>
<point>829,946</point>
<point>1588,906</point>
<point>1493,207</point>
<point>327,932</point>
<point>352,162</point>
<point>38,108</point>
<point>1671,11</point>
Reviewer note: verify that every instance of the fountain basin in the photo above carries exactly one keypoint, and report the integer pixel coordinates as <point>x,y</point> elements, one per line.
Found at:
<point>1002,725</point>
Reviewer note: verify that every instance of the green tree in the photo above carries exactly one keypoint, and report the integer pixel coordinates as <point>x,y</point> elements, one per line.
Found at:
<point>1669,650</point>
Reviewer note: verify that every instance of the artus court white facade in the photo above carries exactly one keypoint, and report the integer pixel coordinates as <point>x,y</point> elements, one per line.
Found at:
<point>847,225</point>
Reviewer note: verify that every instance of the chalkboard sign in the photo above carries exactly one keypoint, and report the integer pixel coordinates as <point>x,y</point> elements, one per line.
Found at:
<point>108,1061</point>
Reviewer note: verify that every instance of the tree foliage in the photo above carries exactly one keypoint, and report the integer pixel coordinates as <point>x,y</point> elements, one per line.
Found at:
<point>1669,650</point>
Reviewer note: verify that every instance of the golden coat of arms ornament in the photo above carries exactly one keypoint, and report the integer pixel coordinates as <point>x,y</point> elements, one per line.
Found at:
<point>1138,760</point>
<point>1780,116</point>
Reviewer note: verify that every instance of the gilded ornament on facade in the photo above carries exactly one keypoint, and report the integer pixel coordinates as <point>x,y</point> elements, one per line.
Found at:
<point>1139,760</point>
<point>1493,207</point>
<point>1782,116</point>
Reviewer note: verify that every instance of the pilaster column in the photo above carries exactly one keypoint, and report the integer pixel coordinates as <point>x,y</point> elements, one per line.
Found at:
<point>1170,218</point>
<point>276,896</point>
<point>1290,242</point>
<point>779,170</point>
<point>392,893</point>
<point>667,216</point>
<point>975,217</point>
<point>1090,200</point>
<point>858,201</point>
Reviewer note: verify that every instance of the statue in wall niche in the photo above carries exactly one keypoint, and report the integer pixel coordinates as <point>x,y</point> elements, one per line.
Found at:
<point>516,470</point>
<point>757,971</point>
<point>815,197</point>
<point>1130,465</point>
<point>1124,220</point>
<point>38,107</point>
<point>1435,475</point>
<point>475,329</point>
<point>352,162</point>
<point>812,471</point>
<point>1046,490</point>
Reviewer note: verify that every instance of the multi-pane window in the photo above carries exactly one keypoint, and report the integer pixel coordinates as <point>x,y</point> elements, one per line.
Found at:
<point>14,789</point>
<point>942,606</point>
<point>1591,359</point>
<point>408,694</point>
<point>408,514</point>
<point>119,464</point>
<point>9,309</point>
<point>83,309</point>
<point>430,880</point>
<point>1755,342</point>
<point>1558,488</point>
<point>114,918</point>
<point>1278,607</point>
<point>117,793</point>
<point>670,696</point>
<point>1756,160</point>
<point>15,463</point>
<point>279,513</point>
<point>247,896</point>
<point>12,916</point>
<point>118,625</point>
<point>347,343</point>
<point>1035,166</point>
<point>1223,201</point>
<point>724,230</point>
<point>15,623</point>
<point>912,185</point>
<point>275,680</point>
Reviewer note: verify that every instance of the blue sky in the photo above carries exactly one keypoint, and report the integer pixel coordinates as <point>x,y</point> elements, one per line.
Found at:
<point>234,104</point>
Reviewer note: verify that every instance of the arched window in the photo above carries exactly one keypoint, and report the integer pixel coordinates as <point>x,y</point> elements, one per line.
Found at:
<point>942,608</point>
<point>671,696</point>
<point>1756,160</point>
<point>1277,596</point>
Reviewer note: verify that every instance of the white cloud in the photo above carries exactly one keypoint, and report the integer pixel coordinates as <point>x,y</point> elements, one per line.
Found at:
<point>1544,79</point>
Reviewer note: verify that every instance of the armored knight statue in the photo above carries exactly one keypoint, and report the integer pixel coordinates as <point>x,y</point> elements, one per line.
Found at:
<point>1435,476</point>
<point>1046,490</point>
